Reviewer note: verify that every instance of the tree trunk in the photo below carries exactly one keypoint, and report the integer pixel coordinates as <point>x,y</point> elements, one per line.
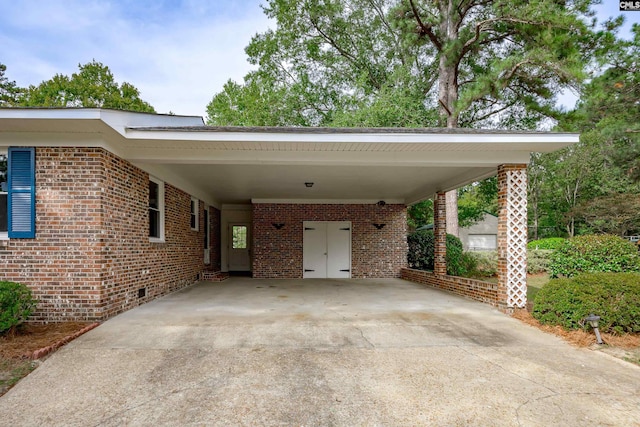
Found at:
<point>447,96</point>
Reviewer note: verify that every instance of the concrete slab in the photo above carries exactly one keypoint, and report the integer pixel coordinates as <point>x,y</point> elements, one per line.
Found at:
<point>322,352</point>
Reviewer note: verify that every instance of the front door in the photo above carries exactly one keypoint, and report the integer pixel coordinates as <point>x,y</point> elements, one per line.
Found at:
<point>327,249</point>
<point>239,247</point>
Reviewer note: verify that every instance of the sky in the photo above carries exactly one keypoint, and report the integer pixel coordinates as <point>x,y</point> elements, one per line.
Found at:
<point>178,53</point>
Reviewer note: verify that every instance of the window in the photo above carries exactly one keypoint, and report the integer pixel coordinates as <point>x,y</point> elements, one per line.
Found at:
<point>156,210</point>
<point>4,217</point>
<point>195,208</point>
<point>17,193</point>
<point>239,233</point>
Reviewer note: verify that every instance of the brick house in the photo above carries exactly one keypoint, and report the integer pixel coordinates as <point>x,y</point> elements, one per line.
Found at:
<point>105,210</point>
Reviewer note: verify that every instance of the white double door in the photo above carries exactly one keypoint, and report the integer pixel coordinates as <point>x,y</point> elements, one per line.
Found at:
<point>327,249</point>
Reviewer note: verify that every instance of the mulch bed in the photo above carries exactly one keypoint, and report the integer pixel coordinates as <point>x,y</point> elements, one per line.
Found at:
<point>580,338</point>
<point>33,341</point>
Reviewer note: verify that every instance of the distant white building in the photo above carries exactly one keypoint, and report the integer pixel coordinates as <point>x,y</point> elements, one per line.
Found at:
<point>482,236</point>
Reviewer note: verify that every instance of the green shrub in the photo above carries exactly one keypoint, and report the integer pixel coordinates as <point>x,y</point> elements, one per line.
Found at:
<point>615,297</point>
<point>421,253</point>
<point>486,263</point>
<point>538,260</point>
<point>16,305</point>
<point>592,254</point>
<point>549,244</point>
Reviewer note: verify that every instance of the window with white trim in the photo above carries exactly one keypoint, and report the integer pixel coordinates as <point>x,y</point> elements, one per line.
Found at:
<point>195,205</point>
<point>4,211</point>
<point>19,193</point>
<point>156,210</point>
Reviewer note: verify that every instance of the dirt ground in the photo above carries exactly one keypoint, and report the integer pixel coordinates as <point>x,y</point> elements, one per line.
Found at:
<point>625,347</point>
<point>16,349</point>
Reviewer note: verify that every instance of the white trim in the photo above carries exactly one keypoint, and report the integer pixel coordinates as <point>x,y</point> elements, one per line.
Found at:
<point>207,233</point>
<point>161,210</point>
<point>4,235</point>
<point>327,201</point>
<point>425,137</point>
<point>196,213</point>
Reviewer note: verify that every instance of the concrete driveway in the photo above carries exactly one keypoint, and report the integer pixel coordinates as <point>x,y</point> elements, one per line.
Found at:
<point>320,353</point>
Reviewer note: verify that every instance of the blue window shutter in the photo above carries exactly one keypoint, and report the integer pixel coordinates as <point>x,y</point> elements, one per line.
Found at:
<point>22,193</point>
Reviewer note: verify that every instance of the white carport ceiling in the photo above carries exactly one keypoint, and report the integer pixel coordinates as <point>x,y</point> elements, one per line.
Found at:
<point>240,183</point>
<point>236,165</point>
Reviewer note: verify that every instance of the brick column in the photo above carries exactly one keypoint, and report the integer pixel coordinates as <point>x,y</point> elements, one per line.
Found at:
<point>440,234</point>
<point>512,236</point>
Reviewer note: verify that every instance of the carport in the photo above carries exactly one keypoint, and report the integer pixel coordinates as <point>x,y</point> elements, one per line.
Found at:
<point>275,173</point>
<point>277,202</point>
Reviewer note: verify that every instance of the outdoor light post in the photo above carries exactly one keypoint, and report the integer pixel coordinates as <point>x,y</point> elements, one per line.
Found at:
<point>593,321</point>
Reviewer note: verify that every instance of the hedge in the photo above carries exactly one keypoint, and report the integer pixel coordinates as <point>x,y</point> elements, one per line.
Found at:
<point>549,244</point>
<point>615,297</point>
<point>421,253</point>
<point>594,253</point>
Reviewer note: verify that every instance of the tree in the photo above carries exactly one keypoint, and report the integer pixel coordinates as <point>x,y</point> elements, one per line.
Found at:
<point>610,106</point>
<point>8,93</point>
<point>8,89</point>
<point>420,214</point>
<point>476,199</point>
<point>454,63</point>
<point>614,214</point>
<point>592,186</point>
<point>93,87</point>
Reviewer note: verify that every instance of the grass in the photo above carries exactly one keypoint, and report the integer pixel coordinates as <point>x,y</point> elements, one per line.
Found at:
<point>12,371</point>
<point>535,282</point>
<point>16,348</point>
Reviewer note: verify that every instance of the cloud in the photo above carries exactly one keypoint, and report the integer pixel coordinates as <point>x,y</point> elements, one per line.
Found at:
<point>178,54</point>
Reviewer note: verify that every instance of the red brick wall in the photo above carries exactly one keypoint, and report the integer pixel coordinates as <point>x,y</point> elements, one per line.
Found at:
<point>475,289</point>
<point>63,264</point>
<point>440,233</point>
<point>375,253</point>
<point>131,261</point>
<point>215,235</point>
<point>92,252</point>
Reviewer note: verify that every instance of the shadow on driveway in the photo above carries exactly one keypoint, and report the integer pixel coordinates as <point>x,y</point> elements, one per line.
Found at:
<point>322,352</point>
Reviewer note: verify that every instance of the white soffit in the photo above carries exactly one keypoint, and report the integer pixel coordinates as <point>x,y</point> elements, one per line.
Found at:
<point>235,165</point>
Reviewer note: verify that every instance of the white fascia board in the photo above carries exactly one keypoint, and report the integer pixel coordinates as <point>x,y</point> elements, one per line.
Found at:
<point>120,121</point>
<point>61,139</point>
<point>391,137</point>
<point>50,113</point>
<point>114,119</point>
<point>326,201</point>
<point>329,158</point>
<point>117,118</point>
